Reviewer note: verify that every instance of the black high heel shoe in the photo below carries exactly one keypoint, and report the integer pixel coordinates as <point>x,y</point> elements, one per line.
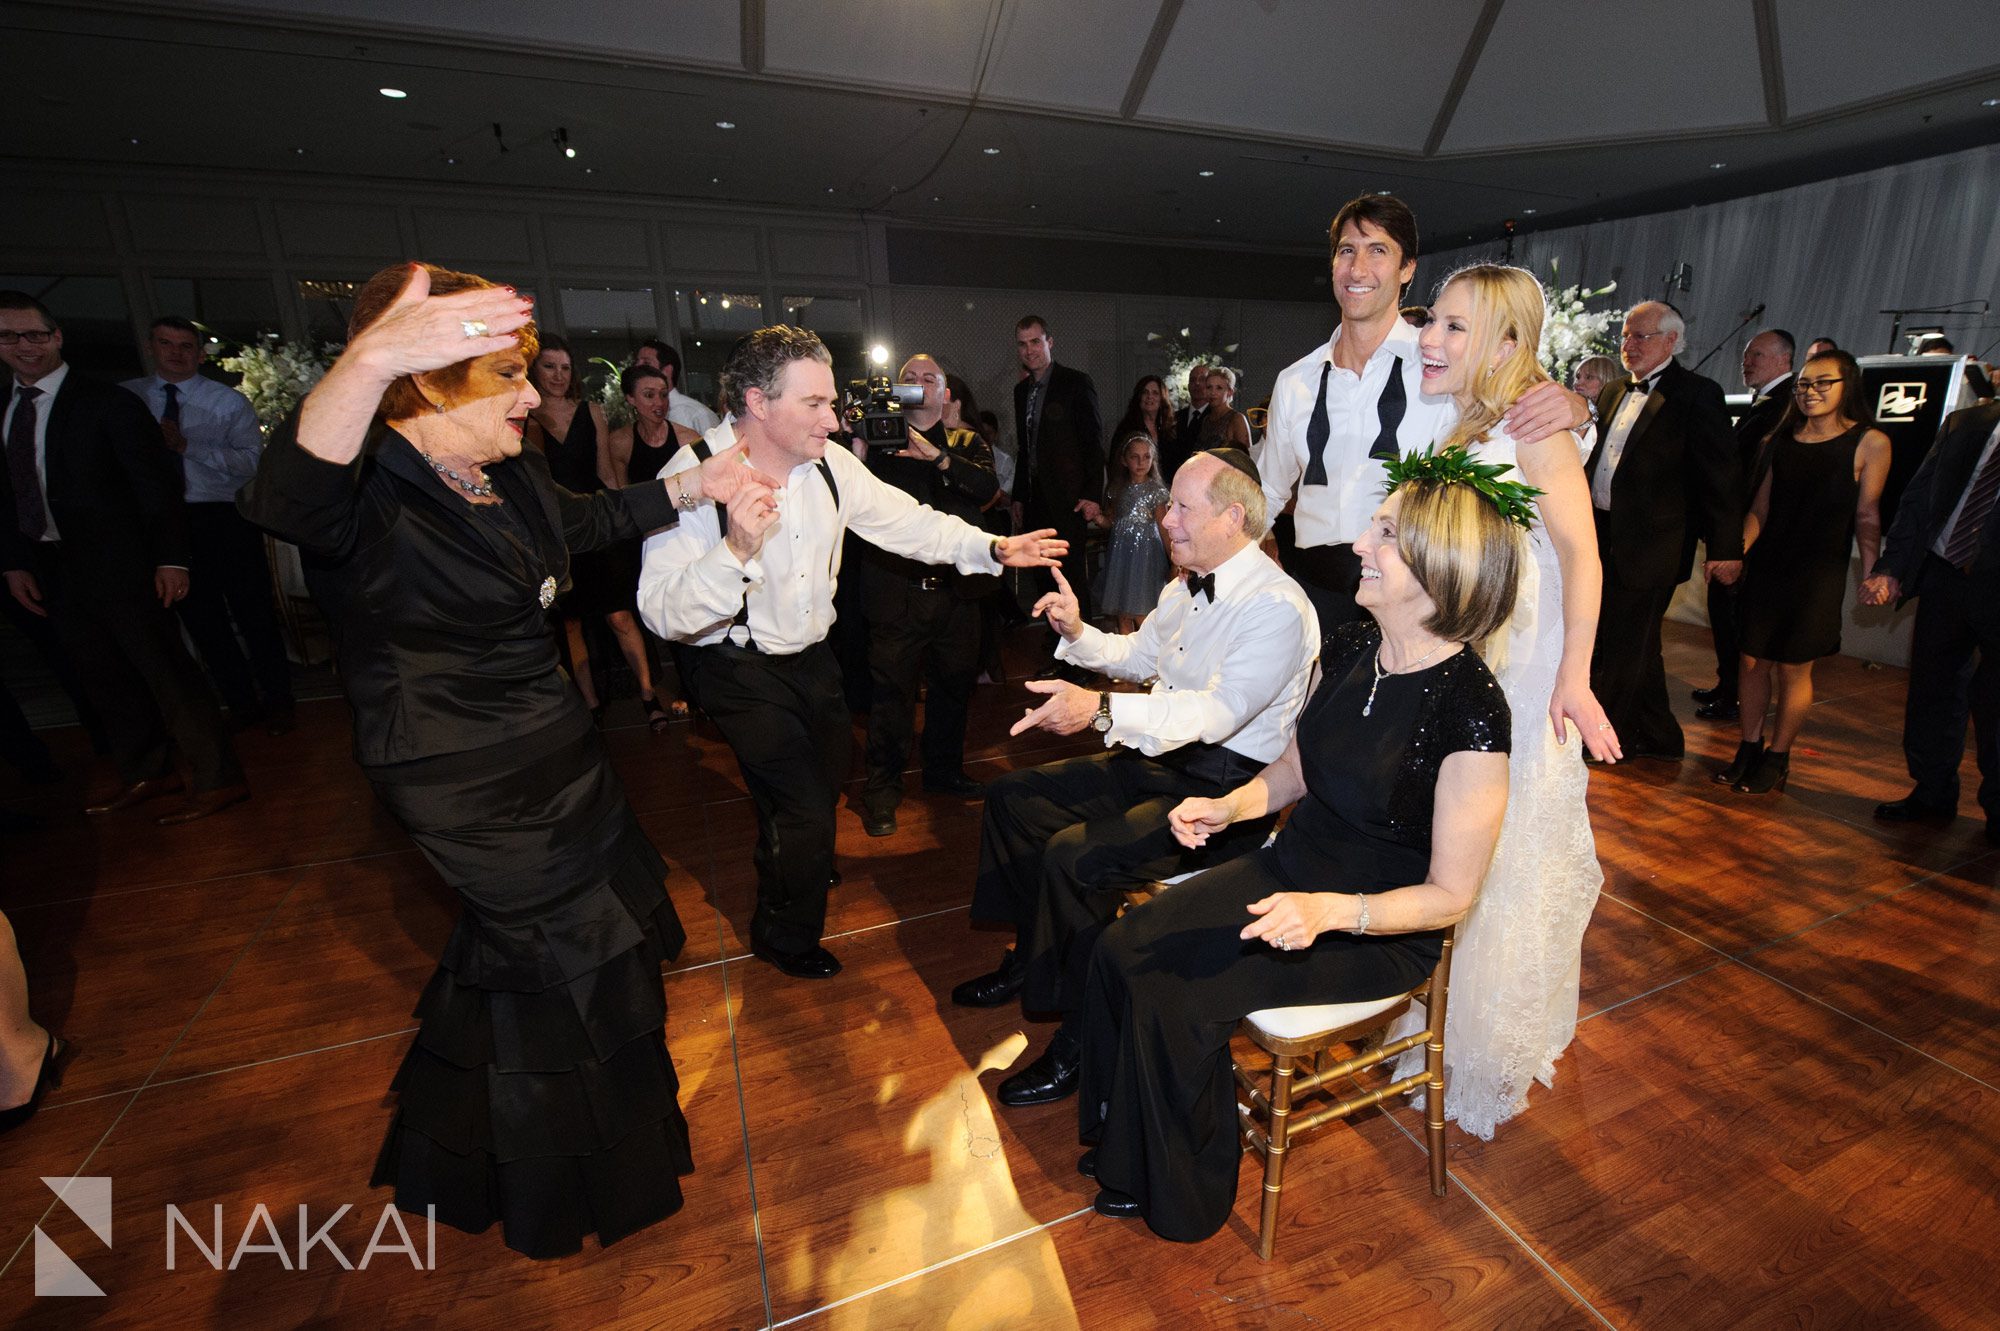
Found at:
<point>1768,775</point>
<point>657,717</point>
<point>51,1075</point>
<point>1747,754</point>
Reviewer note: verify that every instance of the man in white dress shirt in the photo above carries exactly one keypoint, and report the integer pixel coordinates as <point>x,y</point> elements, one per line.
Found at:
<point>1229,650</point>
<point>751,589</point>
<point>214,430</point>
<point>1353,403</point>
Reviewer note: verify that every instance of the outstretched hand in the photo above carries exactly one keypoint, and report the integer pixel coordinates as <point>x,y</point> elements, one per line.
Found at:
<point>1061,608</point>
<point>1033,549</point>
<point>1067,710</point>
<point>1194,820</point>
<point>727,472</point>
<point>420,332</point>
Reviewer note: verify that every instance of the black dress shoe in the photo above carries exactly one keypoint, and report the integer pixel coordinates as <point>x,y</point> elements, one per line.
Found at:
<point>1910,809</point>
<point>1049,1078</point>
<point>205,803</point>
<point>995,987</point>
<point>958,783</point>
<point>1116,1204</point>
<point>1707,695</point>
<point>51,1075</point>
<point>1086,1164</point>
<point>813,963</point>
<point>878,822</point>
<point>1719,709</point>
<point>136,793</point>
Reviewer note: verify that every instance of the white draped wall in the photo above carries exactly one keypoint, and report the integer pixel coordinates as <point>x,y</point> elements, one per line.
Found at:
<point>1823,258</point>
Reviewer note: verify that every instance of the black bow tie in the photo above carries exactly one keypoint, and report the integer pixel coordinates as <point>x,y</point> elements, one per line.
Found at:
<point>1646,385</point>
<point>1203,583</point>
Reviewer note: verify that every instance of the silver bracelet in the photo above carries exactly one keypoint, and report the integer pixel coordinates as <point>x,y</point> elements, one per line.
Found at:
<point>686,499</point>
<point>1361,925</point>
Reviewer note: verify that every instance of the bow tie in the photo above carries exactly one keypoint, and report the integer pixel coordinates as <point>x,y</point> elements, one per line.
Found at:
<point>1646,385</point>
<point>1203,583</point>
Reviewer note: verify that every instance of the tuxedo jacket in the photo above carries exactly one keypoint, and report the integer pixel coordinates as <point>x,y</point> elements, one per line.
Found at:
<point>1945,475</point>
<point>1753,444</point>
<point>1069,445</point>
<point>1678,480</point>
<point>112,485</point>
<point>439,616</point>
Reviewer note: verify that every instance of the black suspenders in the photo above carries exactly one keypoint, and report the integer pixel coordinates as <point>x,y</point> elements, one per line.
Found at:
<point>703,453</point>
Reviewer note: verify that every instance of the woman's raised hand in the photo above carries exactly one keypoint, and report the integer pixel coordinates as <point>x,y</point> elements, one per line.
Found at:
<point>420,332</point>
<point>727,472</point>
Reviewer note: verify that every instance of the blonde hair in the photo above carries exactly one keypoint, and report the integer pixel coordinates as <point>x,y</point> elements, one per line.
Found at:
<point>1506,305</point>
<point>1463,552</point>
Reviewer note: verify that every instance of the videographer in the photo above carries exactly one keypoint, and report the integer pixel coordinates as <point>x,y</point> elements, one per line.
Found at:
<point>923,619</point>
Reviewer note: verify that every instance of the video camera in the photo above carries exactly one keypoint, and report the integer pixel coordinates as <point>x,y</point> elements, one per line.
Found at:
<point>875,408</point>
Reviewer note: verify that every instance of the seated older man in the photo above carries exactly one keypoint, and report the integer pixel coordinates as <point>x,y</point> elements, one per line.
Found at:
<point>1228,648</point>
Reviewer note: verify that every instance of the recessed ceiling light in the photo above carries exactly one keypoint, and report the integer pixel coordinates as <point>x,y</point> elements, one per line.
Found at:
<point>991,152</point>
<point>1031,207</point>
<point>715,180</point>
<point>1717,166</point>
<point>1991,101</point>
<point>590,170</point>
<point>1218,221</point>
<point>937,198</point>
<point>298,152</point>
<point>829,189</point>
<point>1382,191</point>
<point>569,152</point>
<point>1527,212</point>
<point>135,143</point>
<point>451,161</point>
<point>393,94</point>
<point>1204,174</point>
<point>725,124</point>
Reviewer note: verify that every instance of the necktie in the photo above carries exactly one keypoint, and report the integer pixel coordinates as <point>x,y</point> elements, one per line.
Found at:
<point>173,411</point>
<point>1960,550</point>
<point>1203,583</point>
<point>1389,412</point>
<point>29,509</point>
<point>1317,430</point>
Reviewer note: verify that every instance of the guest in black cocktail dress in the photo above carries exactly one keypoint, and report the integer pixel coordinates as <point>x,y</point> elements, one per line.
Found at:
<point>1399,768</point>
<point>538,1092</point>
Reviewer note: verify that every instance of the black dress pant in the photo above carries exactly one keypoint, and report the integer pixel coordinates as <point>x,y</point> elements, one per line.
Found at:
<point>1329,575</point>
<point>1958,618</point>
<point>1060,843</point>
<point>1627,672</point>
<point>19,744</point>
<point>1722,627</point>
<point>230,579</point>
<point>135,670</point>
<point>1071,527</point>
<point>917,628</point>
<point>41,631</point>
<point>788,726</point>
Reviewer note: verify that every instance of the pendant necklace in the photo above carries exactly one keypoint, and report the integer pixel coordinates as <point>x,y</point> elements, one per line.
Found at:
<point>1380,673</point>
<point>482,489</point>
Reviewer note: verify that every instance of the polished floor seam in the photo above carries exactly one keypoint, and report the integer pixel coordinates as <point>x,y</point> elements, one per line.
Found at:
<point>935,1266</point>
<point>215,878</point>
<point>742,1109</point>
<point>166,1054</point>
<point>1496,1218</point>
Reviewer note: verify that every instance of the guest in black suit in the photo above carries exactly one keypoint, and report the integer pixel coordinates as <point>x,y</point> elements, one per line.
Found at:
<point>1187,423</point>
<point>1662,475</point>
<point>1944,550</point>
<point>1059,481</point>
<point>95,537</point>
<point>1767,373</point>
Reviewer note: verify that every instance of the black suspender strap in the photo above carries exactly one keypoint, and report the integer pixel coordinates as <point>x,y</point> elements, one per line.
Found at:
<point>703,453</point>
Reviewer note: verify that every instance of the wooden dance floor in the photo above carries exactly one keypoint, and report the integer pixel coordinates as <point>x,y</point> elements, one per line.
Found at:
<point>1781,1109</point>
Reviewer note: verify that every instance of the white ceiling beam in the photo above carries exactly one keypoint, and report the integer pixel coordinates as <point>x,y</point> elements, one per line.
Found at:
<point>1771,59</point>
<point>752,27</point>
<point>1468,60</point>
<point>1149,57</point>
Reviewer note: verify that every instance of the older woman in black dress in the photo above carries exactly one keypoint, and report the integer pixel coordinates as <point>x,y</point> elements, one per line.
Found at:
<point>1399,770</point>
<point>538,1092</point>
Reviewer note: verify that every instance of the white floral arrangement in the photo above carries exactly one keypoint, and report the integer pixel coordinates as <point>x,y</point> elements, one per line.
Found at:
<point>277,375</point>
<point>1571,333</point>
<point>604,392</point>
<point>1181,359</point>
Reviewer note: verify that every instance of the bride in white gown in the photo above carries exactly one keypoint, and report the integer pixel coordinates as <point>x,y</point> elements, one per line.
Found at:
<point>1518,960</point>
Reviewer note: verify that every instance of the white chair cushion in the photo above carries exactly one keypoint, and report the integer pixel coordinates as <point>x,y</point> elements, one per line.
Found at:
<point>1296,1023</point>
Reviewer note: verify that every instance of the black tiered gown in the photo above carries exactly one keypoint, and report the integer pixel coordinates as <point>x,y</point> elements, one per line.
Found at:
<point>539,1091</point>
<point>1169,981</point>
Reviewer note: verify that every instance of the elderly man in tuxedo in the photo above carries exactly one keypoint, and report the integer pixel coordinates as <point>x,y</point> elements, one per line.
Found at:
<point>1663,474</point>
<point>1059,482</point>
<point>1767,373</point>
<point>93,534</point>
<point>1944,549</point>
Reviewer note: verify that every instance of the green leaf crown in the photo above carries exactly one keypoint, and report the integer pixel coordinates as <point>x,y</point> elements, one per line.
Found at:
<point>1455,466</point>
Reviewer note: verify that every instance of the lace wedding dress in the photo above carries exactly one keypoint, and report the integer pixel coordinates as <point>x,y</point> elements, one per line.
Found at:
<point>1518,961</point>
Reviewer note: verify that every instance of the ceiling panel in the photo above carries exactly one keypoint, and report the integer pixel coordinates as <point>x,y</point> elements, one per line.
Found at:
<point>1628,70</point>
<point>902,44</point>
<point>1292,68</point>
<point>705,31</point>
<point>1842,51</point>
<point>1078,53</point>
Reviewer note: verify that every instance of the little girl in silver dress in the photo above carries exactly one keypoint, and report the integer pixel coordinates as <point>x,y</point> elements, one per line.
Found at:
<point>1135,564</point>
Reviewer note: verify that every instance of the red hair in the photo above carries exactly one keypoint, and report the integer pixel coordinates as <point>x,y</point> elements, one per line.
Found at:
<point>403,399</point>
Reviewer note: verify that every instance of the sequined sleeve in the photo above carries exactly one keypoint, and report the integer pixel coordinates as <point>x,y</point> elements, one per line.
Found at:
<point>1463,710</point>
<point>1344,642</point>
<point>1475,716</point>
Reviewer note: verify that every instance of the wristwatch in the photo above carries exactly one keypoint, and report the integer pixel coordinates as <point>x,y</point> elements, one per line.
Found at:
<point>1101,723</point>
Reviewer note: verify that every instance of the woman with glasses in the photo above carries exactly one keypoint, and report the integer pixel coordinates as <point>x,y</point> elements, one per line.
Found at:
<point>1821,491</point>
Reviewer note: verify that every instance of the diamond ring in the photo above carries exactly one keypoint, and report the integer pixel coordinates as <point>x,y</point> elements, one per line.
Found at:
<point>473,327</point>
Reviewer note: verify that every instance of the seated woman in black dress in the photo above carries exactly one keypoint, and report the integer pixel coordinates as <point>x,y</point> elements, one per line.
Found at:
<point>538,1092</point>
<point>1399,768</point>
<point>1821,492</point>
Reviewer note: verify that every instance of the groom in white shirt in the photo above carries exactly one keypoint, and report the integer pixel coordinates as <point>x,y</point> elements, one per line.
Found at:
<point>1229,648</point>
